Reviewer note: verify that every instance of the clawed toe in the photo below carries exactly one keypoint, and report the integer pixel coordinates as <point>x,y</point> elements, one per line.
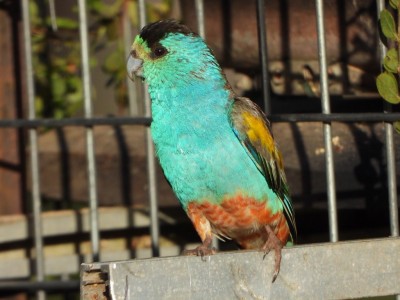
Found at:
<point>200,251</point>
<point>273,243</point>
<point>204,249</point>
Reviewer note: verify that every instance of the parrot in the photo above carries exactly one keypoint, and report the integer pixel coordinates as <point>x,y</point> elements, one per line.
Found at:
<point>215,148</point>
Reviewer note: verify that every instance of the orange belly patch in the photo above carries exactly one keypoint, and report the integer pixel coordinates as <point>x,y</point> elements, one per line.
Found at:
<point>240,218</point>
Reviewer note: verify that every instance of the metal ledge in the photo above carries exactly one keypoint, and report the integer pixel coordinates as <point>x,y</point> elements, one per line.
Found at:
<point>342,270</point>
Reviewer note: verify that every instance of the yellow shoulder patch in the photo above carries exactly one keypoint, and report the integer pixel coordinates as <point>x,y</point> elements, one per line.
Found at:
<point>258,133</point>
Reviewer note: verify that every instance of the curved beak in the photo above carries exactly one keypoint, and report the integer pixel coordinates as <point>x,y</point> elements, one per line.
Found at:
<point>134,65</point>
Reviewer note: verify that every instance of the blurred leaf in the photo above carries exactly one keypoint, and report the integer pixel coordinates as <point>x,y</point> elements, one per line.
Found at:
<point>38,37</point>
<point>101,32</point>
<point>60,62</point>
<point>59,114</point>
<point>38,105</point>
<point>388,25</point>
<point>58,85</point>
<point>64,23</point>
<point>34,13</point>
<point>388,87</point>
<point>391,61</point>
<point>113,62</point>
<point>108,11</point>
<point>112,30</point>
<point>396,126</point>
<point>394,3</point>
<point>158,9</point>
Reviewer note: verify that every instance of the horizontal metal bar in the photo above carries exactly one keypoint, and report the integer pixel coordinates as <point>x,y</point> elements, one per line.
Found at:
<point>336,117</point>
<point>31,286</point>
<point>311,117</point>
<point>19,123</point>
<point>342,270</point>
<point>66,222</point>
<point>56,264</point>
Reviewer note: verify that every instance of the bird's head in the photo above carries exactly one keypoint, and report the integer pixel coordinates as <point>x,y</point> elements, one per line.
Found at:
<point>168,54</point>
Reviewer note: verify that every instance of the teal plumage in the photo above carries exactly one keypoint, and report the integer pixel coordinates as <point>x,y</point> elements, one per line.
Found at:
<point>216,149</point>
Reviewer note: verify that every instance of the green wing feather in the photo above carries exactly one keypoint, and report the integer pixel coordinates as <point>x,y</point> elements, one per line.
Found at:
<point>252,129</point>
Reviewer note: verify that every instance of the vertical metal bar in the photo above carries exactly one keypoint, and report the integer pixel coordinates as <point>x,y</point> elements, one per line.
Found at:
<point>142,13</point>
<point>330,174</point>
<point>132,96</point>
<point>390,154</point>
<point>90,154</point>
<point>36,200</point>
<point>263,52</point>
<point>392,181</point>
<point>53,17</point>
<point>200,18</point>
<point>151,164</point>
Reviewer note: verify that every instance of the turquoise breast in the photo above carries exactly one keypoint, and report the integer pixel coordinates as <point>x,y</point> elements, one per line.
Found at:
<point>198,150</point>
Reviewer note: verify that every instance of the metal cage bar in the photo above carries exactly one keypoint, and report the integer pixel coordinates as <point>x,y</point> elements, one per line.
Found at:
<point>330,173</point>
<point>34,153</point>
<point>132,95</point>
<point>263,52</point>
<point>200,18</point>
<point>151,164</point>
<point>145,121</point>
<point>90,154</point>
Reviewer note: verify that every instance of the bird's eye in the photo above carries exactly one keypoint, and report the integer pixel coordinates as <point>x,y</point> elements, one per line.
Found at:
<point>159,51</point>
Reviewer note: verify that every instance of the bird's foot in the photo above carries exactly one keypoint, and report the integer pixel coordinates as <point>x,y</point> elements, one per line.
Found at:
<point>273,243</point>
<point>202,250</point>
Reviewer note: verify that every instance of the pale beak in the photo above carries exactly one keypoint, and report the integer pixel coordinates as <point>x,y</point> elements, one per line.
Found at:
<point>134,66</point>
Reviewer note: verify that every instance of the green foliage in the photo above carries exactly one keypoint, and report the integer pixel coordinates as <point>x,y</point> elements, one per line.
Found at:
<point>391,61</point>
<point>387,81</point>
<point>394,3</point>
<point>396,126</point>
<point>59,90</point>
<point>55,61</point>
<point>388,87</point>
<point>388,25</point>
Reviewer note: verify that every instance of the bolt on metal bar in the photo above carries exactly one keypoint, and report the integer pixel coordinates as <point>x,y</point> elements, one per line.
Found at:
<point>36,200</point>
<point>390,153</point>
<point>151,164</point>
<point>263,52</point>
<point>330,173</point>
<point>90,153</point>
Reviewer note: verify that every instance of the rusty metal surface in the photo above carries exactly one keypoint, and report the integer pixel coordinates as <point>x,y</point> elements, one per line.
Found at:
<point>320,271</point>
<point>93,283</point>
<point>11,142</point>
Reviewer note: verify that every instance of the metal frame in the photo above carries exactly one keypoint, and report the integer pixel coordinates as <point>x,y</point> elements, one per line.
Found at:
<point>89,121</point>
<point>36,199</point>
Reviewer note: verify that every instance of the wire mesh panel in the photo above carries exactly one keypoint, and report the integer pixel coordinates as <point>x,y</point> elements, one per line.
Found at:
<point>285,96</point>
